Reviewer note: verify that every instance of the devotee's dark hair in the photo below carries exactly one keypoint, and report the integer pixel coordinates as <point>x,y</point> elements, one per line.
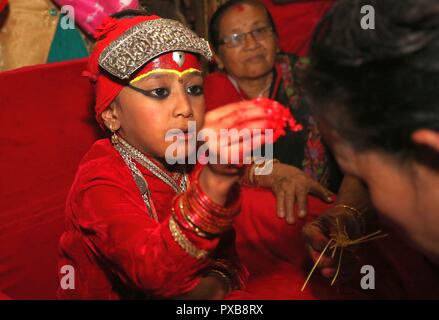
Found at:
<point>377,86</point>
<point>215,20</point>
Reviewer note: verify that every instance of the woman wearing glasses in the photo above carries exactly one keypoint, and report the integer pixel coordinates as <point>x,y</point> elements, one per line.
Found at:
<point>244,40</point>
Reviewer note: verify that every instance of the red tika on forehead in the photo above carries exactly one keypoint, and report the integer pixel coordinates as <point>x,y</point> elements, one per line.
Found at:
<point>239,7</point>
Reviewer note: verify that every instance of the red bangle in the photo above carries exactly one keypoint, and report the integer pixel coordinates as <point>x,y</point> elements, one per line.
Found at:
<point>179,210</point>
<point>206,221</point>
<point>197,192</point>
<point>202,224</point>
<point>202,215</point>
<point>211,206</point>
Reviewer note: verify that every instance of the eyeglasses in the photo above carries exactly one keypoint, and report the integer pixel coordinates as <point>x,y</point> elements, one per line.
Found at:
<point>238,39</point>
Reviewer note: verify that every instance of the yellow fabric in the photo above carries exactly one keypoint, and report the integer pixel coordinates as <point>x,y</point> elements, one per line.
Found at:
<point>27,33</point>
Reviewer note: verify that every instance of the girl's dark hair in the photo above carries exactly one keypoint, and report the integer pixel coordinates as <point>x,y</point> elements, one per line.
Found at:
<point>377,86</point>
<point>215,20</point>
<point>131,13</point>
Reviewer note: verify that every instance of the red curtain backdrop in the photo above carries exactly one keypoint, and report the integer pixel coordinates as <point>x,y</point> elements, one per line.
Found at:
<point>295,22</point>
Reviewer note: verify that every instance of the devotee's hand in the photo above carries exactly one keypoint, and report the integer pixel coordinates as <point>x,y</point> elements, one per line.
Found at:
<point>292,186</point>
<point>318,232</point>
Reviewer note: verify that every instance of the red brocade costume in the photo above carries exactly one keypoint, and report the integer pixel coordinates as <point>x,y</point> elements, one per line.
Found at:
<point>116,249</point>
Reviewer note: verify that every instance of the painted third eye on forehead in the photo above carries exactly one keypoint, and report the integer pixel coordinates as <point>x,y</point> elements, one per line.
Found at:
<point>177,62</point>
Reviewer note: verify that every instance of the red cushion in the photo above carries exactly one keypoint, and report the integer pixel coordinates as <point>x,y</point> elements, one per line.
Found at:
<point>47,125</point>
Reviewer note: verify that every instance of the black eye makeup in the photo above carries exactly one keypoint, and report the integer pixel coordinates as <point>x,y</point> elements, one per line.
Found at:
<point>163,93</point>
<point>157,93</point>
<point>163,88</point>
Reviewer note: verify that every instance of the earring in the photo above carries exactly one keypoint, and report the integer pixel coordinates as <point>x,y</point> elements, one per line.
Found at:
<point>114,137</point>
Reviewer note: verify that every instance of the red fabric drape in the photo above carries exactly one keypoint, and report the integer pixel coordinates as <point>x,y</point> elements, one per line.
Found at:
<point>215,86</point>
<point>295,22</point>
<point>47,121</point>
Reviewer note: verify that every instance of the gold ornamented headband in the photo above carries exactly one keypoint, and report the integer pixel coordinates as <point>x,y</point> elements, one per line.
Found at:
<point>147,40</point>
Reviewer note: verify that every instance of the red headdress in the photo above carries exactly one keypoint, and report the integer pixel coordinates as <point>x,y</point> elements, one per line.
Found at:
<point>137,47</point>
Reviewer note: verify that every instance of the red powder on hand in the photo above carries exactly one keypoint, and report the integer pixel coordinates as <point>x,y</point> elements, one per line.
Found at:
<point>280,116</point>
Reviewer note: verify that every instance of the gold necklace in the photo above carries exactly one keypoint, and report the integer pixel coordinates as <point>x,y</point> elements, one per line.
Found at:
<point>173,182</point>
<point>128,153</point>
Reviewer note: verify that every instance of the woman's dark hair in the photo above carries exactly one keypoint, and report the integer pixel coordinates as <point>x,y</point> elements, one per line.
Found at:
<point>215,20</point>
<point>377,86</point>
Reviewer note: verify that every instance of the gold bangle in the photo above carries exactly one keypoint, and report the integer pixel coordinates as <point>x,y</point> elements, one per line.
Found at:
<point>184,242</point>
<point>255,166</point>
<point>350,208</point>
<point>223,276</point>
<point>251,174</point>
<point>357,212</point>
<point>196,229</point>
<point>245,179</point>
